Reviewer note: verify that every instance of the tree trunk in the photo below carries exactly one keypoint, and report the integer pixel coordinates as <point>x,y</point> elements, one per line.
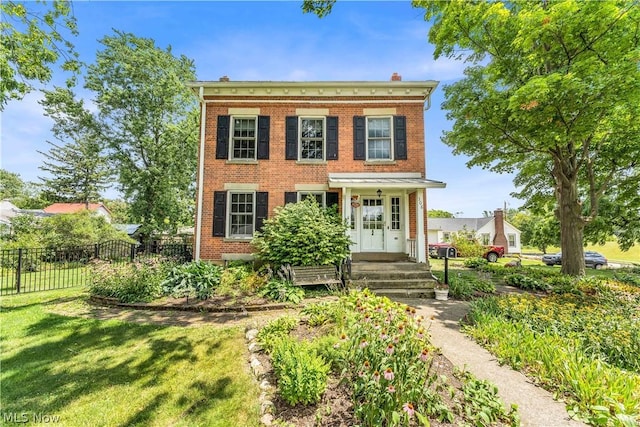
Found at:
<point>569,214</point>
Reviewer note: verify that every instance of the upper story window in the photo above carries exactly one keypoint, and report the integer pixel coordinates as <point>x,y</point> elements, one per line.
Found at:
<point>318,196</point>
<point>379,138</point>
<point>243,138</point>
<point>312,139</point>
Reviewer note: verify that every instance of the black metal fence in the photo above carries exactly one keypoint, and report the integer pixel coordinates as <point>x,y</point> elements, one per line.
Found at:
<point>42,269</point>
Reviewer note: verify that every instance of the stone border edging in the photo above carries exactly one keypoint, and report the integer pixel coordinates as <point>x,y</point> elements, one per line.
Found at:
<point>195,308</point>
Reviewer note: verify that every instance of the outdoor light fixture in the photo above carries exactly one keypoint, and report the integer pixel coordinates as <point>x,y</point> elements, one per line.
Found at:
<point>379,192</point>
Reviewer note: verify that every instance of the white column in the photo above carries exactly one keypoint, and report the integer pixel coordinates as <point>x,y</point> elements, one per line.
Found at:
<point>346,206</point>
<point>420,231</point>
<point>405,219</point>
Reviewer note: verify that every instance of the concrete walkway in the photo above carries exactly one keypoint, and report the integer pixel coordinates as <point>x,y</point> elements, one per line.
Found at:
<point>535,405</point>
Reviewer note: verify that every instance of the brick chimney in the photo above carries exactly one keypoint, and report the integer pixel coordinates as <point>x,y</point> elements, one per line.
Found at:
<point>224,79</point>
<point>500,239</point>
<point>395,77</point>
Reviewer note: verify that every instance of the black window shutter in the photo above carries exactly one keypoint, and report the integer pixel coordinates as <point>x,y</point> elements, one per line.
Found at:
<point>262,208</point>
<point>400,137</point>
<point>263,137</point>
<point>332,198</point>
<point>332,138</point>
<point>359,138</point>
<point>219,213</point>
<point>291,138</point>
<point>222,144</point>
<point>290,197</point>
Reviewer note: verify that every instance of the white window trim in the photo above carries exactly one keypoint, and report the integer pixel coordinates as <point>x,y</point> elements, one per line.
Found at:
<point>231,140</point>
<point>515,240</point>
<point>324,138</point>
<point>229,213</point>
<point>391,148</point>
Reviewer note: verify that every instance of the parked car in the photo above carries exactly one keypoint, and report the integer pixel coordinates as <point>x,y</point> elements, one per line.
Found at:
<point>492,252</point>
<point>591,259</point>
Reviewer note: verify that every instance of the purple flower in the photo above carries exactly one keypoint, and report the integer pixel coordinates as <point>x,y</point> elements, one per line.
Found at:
<point>376,376</point>
<point>391,389</point>
<point>389,349</point>
<point>363,343</point>
<point>409,409</point>
<point>424,355</point>
<point>388,374</point>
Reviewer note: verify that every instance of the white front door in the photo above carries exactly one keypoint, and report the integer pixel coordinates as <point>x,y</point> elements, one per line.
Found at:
<point>373,225</point>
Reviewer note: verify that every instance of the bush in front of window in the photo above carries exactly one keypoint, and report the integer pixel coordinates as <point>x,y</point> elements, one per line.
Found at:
<point>303,234</point>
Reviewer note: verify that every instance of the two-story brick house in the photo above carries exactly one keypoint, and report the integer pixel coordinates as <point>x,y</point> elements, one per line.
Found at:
<point>358,145</point>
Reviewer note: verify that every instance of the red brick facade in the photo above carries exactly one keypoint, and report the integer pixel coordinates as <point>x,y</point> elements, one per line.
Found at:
<point>276,175</point>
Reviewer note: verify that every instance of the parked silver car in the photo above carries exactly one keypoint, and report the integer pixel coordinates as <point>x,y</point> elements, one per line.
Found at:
<point>591,259</point>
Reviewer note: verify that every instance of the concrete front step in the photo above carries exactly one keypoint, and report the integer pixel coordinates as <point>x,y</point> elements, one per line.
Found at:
<point>394,279</point>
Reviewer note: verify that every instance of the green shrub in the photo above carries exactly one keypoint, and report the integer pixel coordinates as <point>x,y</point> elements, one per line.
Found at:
<point>303,234</point>
<point>302,374</point>
<point>321,313</point>
<point>282,291</point>
<point>134,282</point>
<point>195,279</point>
<point>525,282</point>
<point>628,277</point>
<point>475,262</point>
<point>276,330</point>
<point>239,279</point>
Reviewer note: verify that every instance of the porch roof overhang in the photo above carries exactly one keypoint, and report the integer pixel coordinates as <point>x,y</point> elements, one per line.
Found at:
<point>410,180</point>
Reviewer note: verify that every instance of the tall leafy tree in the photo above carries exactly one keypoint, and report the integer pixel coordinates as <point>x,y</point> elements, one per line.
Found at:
<point>33,37</point>
<point>552,93</point>
<point>11,185</point>
<point>148,118</point>
<point>439,213</point>
<point>79,169</point>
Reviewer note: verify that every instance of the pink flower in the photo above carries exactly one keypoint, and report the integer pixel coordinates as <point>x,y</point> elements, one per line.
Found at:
<point>424,355</point>
<point>363,343</point>
<point>388,374</point>
<point>376,376</point>
<point>343,337</point>
<point>367,365</point>
<point>409,409</point>
<point>420,333</point>
<point>383,335</point>
<point>361,374</point>
<point>389,349</point>
<point>391,389</point>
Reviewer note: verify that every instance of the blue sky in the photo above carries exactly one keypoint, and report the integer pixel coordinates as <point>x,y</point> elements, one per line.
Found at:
<point>269,40</point>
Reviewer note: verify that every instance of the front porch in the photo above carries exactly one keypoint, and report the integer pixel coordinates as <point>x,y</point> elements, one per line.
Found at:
<point>386,213</point>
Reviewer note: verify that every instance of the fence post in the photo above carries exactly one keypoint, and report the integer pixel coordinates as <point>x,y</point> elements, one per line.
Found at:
<point>132,253</point>
<point>19,270</point>
<point>96,251</point>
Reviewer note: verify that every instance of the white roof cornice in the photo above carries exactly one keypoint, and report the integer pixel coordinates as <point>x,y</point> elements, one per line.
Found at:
<point>318,89</point>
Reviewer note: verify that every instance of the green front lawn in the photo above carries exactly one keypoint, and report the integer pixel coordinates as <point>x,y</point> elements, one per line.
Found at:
<point>92,372</point>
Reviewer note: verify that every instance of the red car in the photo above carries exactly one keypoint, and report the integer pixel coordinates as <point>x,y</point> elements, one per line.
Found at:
<point>491,254</point>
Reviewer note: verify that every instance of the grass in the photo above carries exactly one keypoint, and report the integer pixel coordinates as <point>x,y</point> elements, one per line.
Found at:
<point>92,372</point>
<point>610,250</point>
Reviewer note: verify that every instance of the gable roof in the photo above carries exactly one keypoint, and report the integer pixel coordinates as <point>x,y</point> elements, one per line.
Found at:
<point>62,208</point>
<point>457,224</point>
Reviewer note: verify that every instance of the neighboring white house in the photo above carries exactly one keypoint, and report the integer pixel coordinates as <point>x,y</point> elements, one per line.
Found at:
<point>493,230</point>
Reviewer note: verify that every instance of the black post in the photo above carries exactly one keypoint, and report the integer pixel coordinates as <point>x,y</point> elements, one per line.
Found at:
<point>96,251</point>
<point>19,270</point>
<point>446,269</point>
<point>133,252</point>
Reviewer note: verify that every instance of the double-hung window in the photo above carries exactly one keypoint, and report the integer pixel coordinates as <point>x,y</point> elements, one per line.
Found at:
<point>243,138</point>
<point>312,138</point>
<point>379,138</point>
<point>318,196</point>
<point>241,214</point>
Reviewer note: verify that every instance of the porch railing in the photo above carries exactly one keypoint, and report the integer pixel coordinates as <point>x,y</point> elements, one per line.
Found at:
<point>411,246</point>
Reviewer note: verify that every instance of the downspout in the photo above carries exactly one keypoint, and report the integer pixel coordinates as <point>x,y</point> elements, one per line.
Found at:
<point>203,116</point>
